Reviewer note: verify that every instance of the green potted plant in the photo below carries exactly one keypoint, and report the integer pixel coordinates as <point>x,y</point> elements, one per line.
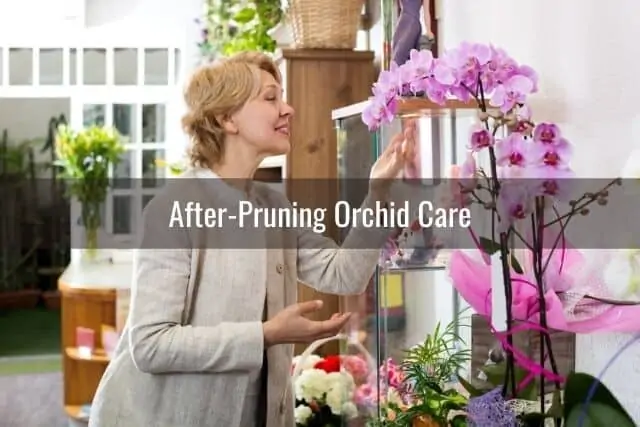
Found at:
<point>85,158</point>
<point>232,26</point>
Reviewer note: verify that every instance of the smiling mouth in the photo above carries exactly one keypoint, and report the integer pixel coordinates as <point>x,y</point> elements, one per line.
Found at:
<point>284,130</point>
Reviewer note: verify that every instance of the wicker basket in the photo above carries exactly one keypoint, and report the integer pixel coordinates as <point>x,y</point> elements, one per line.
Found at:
<point>319,343</point>
<point>324,24</point>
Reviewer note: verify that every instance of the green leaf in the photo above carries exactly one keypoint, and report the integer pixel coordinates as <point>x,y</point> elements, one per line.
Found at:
<point>555,411</point>
<point>496,374</point>
<point>489,246</point>
<point>245,15</point>
<point>597,414</point>
<point>473,391</point>
<point>515,264</point>
<point>459,421</point>
<point>576,392</point>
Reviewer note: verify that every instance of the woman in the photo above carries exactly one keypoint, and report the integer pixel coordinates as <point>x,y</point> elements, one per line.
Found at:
<point>208,341</point>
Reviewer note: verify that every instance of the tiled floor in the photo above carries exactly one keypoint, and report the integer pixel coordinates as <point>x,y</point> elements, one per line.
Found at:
<point>33,400</point>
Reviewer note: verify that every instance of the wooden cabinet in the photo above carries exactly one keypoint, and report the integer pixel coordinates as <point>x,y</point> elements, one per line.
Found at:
<point>89,299</point>
<point>316,82</point>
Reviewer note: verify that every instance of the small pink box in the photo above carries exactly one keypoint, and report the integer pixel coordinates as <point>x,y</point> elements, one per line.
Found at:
<point>85,341</point>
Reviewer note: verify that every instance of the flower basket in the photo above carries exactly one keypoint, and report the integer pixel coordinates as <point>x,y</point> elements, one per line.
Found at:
<point>336,386</point>
<point>327,24</point>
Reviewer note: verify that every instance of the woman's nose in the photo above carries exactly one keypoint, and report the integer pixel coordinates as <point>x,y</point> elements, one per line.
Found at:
<point>287,110</point>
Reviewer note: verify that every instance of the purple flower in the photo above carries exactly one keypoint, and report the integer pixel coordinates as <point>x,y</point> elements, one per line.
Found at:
<point>556,156</point>
<point>490,409</point>
<point>515,202</point>
<point>547,133</point>
<point>457,74</point>
<point>513,91</point>
<point>378,111</point>
<point>467,62</point>
<point>553,183</point>
<point>512,151</point>
<point>480,139</point>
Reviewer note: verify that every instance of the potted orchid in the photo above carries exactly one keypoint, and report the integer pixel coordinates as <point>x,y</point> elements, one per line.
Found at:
<point>525,191</point>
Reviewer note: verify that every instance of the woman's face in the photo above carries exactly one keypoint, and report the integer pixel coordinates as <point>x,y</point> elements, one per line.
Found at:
<point>263,122</point>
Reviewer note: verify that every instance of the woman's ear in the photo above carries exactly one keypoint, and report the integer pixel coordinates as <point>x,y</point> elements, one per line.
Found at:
<point>227,124</point>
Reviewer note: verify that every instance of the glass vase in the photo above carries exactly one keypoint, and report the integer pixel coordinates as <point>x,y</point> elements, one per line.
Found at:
<point>91,221</point>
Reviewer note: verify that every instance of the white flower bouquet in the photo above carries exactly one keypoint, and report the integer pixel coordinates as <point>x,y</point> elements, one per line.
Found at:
<point>325,388</point>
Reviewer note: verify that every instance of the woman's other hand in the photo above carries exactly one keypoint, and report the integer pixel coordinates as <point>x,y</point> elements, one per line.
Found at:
<point>290,326</point>
<point>398,154</point>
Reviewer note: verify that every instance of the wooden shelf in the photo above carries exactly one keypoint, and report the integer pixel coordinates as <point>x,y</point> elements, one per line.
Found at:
<point>408,105</point>
<point>99,356</point>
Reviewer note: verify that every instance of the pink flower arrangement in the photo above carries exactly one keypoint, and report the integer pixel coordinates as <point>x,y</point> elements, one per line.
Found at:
<point>356,366</point>
<point>460,73</point>
<point>388,384</point>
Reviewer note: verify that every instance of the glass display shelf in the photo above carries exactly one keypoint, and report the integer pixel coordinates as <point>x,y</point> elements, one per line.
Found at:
<point>404,300</point>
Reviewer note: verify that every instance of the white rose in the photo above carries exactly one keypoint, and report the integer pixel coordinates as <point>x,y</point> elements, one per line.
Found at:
<point>350,410</point>
<point>311,385</point>
<point>343,380</point>
<point>341,390</point>
<point>335,400</point>
<point>302,413</point>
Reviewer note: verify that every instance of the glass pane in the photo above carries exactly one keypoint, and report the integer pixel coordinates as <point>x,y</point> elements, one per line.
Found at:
<point>178,64</point>
<point>73,66</point>
<point>123,215</point>
<point>125,66</point>
<point>153,123</point>
<point>93,114</point>
<point>51,61</point>
<point>124,120</point>
<point>2,76</point>
<point>156,66</point>
<point>123,173</point>
<point>20,66</point>
<point>95,66</point>
<point>152,175</point>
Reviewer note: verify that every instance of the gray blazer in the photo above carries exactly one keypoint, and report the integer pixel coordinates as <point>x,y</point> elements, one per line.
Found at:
<point>194,332</point>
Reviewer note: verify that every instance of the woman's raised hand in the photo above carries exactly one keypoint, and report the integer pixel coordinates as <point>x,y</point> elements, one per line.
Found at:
<point>399,153</point>
<point>291,327</point>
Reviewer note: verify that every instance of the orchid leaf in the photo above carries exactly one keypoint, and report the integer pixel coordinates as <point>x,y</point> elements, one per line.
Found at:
<point>489,246</point>
<point>471,389</point>
<point>555,411</point>
<point>577,390</point>
<point>515,264</point>
<point>597,414</point>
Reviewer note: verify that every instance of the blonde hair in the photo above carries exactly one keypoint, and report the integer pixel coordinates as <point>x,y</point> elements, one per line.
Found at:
<point>219,90</point>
